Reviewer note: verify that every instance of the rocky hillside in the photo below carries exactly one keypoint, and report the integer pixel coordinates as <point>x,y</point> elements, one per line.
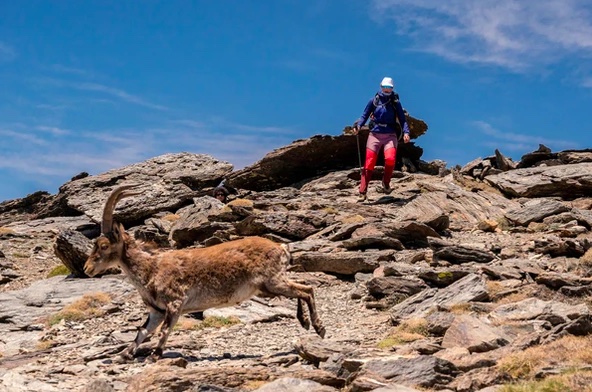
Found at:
<point>473,278</point>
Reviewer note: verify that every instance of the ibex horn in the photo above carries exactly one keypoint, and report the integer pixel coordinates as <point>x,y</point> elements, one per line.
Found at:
<point>114,198</point>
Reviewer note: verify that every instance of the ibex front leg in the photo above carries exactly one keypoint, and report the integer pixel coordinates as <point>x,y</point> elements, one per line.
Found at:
<point>154,319</point>
<point>170,319</point>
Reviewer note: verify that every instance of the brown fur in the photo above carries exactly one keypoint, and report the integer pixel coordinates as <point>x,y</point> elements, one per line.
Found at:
<point>189,280</point>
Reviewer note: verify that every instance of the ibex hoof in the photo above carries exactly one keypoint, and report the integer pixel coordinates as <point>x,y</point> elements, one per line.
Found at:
<point>126,355</point>
<point>320,331</point>
<point>155,356</point>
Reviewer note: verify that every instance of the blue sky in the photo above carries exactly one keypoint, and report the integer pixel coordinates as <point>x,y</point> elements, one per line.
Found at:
<point>95,85</point>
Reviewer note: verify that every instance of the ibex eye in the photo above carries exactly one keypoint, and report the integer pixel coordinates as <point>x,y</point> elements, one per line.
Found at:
<point>104,247</point>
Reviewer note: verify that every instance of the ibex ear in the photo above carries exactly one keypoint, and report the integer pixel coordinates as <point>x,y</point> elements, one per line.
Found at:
<point>118,231</point>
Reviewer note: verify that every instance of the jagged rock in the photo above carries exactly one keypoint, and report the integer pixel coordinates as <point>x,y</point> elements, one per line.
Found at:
<point>503,163</point>
<point>344,263</point>
<point>473,334</point>
<point>166,183</point>
<point>303,159</point>
<point>535,211</point>
<point>423,371</point>
<point>566,181</point>
<point>23,209</point>
<point>575,156</point>
<point>459,254</point>
<point>73,248</point>
<point>288,384</point>
<point>556,247</point>
<point>468,289</point>
<point>293,226</point>
<point>391,285</point>
<point>533,308</point>
<point>531,159</point>
<point>464,209</point>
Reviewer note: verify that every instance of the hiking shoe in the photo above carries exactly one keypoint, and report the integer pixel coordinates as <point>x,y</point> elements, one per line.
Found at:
<point>384,189</point>
<point>362,197</point>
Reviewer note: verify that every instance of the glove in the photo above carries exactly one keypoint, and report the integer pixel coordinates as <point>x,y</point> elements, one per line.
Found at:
<point>355,128</point>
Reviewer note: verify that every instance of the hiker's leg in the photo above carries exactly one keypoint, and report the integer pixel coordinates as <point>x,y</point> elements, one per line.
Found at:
<point>390,153</point>
<point>389,165</point>
<point>372,146</point>
<point>371,157</point>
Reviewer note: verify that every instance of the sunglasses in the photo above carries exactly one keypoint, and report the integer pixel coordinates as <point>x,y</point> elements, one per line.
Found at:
<point>387,87</point>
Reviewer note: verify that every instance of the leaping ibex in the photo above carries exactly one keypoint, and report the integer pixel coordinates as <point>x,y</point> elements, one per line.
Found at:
<point>181,281</point>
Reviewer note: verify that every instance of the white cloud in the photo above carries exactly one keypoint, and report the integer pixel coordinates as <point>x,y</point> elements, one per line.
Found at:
<point>53,130</point>
<point>519,142</point>
<point>8,136</point>
<point>587,82</point>
<point>69,70</point>
<point>513,34</point>
<point>7,53</point>
<point>49,154</point>
<point>121,94</point>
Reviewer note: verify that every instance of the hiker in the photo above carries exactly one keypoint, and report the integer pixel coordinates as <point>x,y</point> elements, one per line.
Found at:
<point>389,121</point>
<point>221,193</point>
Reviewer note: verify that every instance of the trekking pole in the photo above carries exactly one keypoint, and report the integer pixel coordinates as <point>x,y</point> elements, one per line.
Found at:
<point>359,154</point>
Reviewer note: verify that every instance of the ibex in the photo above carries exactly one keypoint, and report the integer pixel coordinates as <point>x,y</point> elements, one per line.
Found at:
<point>175,282</point>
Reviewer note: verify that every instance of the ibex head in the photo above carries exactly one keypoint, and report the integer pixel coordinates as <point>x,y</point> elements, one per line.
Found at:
<point>109,246</point>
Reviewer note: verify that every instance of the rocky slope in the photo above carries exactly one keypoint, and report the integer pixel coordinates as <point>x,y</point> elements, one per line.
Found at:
<point>449,283</point>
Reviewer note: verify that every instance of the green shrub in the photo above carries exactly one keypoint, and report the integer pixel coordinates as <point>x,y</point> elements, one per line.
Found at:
<point>59,270</point>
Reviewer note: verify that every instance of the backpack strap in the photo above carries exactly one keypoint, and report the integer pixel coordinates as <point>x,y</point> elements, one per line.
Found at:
<point>393,99</point>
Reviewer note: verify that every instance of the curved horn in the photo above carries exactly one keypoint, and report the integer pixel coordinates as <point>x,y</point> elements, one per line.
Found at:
<point>114,198</point>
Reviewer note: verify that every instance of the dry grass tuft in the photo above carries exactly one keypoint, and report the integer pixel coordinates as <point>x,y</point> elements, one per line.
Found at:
<point>504,224</point>
<point>217,322</point>
<point>461,308</point>
<point>494,288</point>
<point>171,218</point>
<point>186,324</point>
<point>254,384</point>
<point>245,203</point>
<point>406,332</point>
<point>45,344</point>
<point>572,381</point>
<point>514,297</point>
<point>569,351</point>
<point>89,306</point>
<point>331,210</point>
<point>586,259</point>
<point>352,219</point>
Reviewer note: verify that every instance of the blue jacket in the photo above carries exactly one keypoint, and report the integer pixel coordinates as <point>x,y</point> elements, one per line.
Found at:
<point>385,114</point>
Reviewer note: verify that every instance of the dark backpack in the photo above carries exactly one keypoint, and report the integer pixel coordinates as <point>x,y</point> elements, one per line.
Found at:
<point>393,99</point>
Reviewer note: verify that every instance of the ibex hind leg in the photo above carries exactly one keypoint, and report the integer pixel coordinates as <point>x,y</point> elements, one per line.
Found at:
<point>152,322</point>
<point>300,315</point>
<point>287,288</point>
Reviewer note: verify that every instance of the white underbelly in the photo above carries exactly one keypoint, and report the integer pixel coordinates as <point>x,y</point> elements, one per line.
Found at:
<point>203,301</point>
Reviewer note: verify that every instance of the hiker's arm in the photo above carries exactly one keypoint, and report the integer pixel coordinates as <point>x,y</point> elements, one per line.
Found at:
<point>402,118</point>
<point>365,115</point>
